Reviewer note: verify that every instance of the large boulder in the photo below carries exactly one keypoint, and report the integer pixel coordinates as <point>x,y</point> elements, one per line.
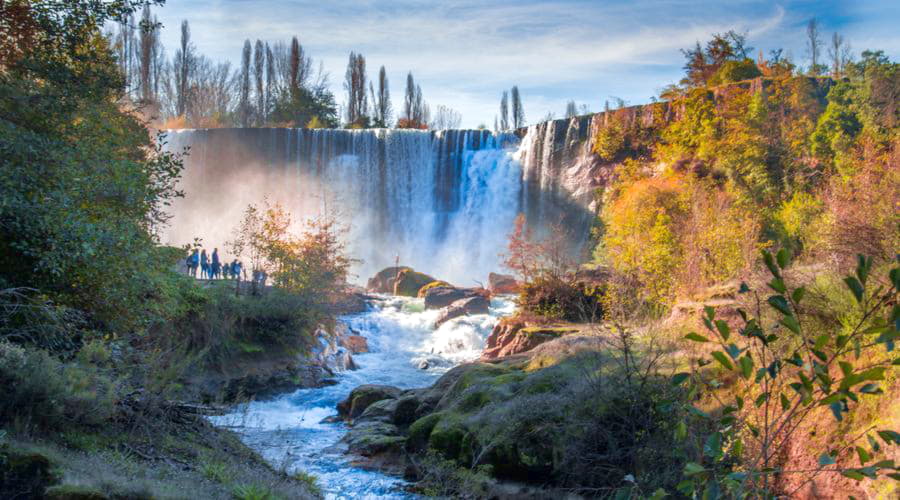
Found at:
<point>383,281</point>
<point>443,296</point>
<point>502,284</point>
<point>363,396</point>
<point>433,284</point>
<point>357,344</point>
<point>512,336</point>
<point>477,304</point>
<point>409,282</point>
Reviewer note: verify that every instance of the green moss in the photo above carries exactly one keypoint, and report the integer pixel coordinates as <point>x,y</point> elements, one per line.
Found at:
<point>473,401</point>
<point>420,431</point>
<point>433,284</point>
<point>74,492</point>
<point>410,282</point>
<point>447,436</point>
<point>557,331</point>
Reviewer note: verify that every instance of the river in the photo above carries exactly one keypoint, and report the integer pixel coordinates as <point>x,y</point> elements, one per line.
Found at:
<point>289,431</point>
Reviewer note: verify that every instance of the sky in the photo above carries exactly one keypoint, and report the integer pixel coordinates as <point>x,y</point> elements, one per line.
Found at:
<point>465,53</point>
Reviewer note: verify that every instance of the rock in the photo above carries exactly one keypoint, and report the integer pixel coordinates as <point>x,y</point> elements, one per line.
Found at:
<point>477,304</point>
<point>363,396</point>
<point>511,336</point>
<point>372,438</point>
<point>380,411</point>
<point>409,282</point>
<point>423,365</point>
<point>383,281</point>
<point>443,296</point>
<point>502,284</point>
<point>357,344</point>
<point>433,284</point>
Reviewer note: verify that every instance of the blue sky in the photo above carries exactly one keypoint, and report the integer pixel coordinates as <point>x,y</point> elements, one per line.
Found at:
<point>464,53</point>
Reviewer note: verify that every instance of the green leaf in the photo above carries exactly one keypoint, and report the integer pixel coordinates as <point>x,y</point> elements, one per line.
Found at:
<point>762,398</point>
<point>777,284</point>
<point>863,455</point>
<point>790,322</point>
<point>783,257</point>
<point>724,329</point>
<point>679,378</point>
<point>853,474</point>
<point>713,446</point>
<point>696,337</point>
<point>846,367</point>
<point>746,366</point>
<point>798,294</point>
<point>692,469</point>
<point>885,464</point>
<point>821,340</point>
<point>659,494</point>
<point>710,312</point>
<point>680,430</point>
<point>826,459</point>
<point>862,267</point>
<point>785,403</point>
<point>779,303</point>
<point>743,288</point>
<point>870,389</point>
<point>872,374</point>
<point>722,358</point>
<point>836,409</point>
<point>856,287</point>
<point>770,263</point>
<point>889,437</point>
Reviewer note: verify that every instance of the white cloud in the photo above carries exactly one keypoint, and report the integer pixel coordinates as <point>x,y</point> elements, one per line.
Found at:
<point>464,52</point>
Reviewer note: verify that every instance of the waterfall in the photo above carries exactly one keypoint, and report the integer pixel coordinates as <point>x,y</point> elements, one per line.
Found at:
<point>443,202</point>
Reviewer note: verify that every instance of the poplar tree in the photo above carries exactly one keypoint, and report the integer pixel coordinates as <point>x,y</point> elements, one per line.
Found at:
<point>504,111</point>
<point>518,113</point>
<point>184,59</point>
<point>259,63</point>
<point>244,110</point>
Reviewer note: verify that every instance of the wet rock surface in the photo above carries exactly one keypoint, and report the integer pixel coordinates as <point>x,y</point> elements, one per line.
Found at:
<point>476,304</point>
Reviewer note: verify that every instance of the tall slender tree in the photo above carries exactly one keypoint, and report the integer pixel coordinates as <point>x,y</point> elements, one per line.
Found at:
<point>147,40</point>
<point>839,53</point>
<point>382,100</point>
<point>244,106</point>
<point>355,85</point>
<point>409,98</point>
<point>813,46</point>
<point>270,80</point>
<point>518,112</point>
<point>184,61</point>
<point>259,65</point>
<point>504,111</point>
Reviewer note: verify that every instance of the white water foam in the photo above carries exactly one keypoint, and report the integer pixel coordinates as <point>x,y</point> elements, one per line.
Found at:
<point>289,431</point>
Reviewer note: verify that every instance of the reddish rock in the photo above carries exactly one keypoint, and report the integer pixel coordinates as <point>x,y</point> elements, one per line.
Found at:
<point>512,336</point>
<point>502,284</point>
<point>357,344</point>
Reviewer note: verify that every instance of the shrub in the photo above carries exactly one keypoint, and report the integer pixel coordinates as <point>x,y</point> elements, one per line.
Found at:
<point>566,299</point>
<point>43,391</point>
<point>800,222</point>
<point>785,371</point>
<point>735,71</point>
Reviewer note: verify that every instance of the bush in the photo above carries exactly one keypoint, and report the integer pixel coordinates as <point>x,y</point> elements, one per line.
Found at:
<point>565,299</point>
<point>735,71</point>
<point>45,392</point>
<point>800,222</point>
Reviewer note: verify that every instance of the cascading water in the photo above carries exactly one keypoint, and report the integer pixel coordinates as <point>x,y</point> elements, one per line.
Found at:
<point>289,431</point>
<point>441,202</point>
<point>435,200</point>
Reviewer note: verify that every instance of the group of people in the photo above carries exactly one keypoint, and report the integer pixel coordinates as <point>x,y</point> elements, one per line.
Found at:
<point>211,267</point>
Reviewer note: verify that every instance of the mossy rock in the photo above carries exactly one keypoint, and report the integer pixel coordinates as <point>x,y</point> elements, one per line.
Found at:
<point>24,474</point>
<point>405,411</point>
<point>420,431</point>
<point>363,396</point>
<point>447,436</point>
<point>409,282</point>
<point>73,492</point>
<point>372,438</point>
<point>433,284</point>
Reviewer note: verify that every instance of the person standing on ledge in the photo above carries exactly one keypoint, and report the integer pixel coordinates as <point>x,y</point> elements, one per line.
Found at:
<point>216,265</point>
<point>204,265</point>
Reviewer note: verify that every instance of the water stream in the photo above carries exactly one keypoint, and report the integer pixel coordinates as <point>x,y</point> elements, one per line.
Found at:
<point>289,432</point>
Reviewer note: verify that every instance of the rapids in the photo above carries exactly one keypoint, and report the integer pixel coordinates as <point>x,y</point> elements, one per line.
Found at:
<point>288,431</point>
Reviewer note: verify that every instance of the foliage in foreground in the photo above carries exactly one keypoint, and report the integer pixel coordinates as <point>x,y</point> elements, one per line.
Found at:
<point>785,372</point>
